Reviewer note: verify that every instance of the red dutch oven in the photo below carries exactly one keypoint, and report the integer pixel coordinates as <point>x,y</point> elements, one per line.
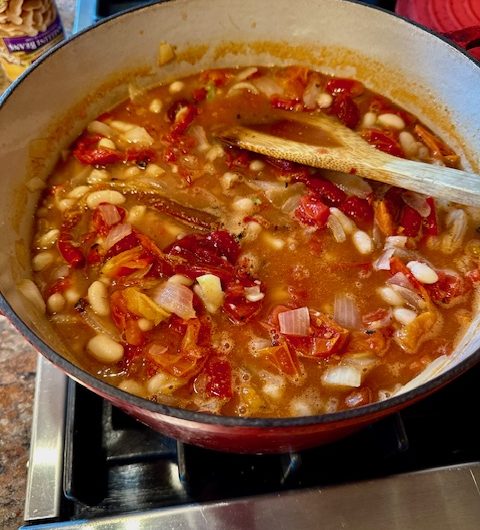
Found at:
<point>51,104</point>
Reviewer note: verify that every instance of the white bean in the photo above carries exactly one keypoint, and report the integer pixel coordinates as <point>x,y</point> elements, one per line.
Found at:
<point>110,196</point>
<point>132,387</point>
<point>408,143</point>
<point>98,127</point>
<point>324,100</point>
<point>300,408</point>
<point>144,324</point>
<point>98,298</point>
<point>163,384</point>
<point>404,316</point>
<point>228,179</point>
<point>72,295</point>
<point>422,272</point>
<point>256,165</point>
<point>106,143</point>
<point>78,192</point>
<point>391,121</point>
<point>122,126</point>
<point>244,205</point>
<point>347,224</point>
<point>42,260</point>
<point>154,171</point>
<point>48,239</point>
<point>155,106</point>
<point>176,87</point>
<point>105,349</point>
<point>252,231</point>
<point>180,279</point>
<point>273,389</point>
<point>273,242</point>
<point>98,175</point>
<point>55,303</point>
<point>214,152</point>
<point>369,119</point>
<point>65,204</point>
<point>363,242</point>
<point>131,172</point>
<point>390,296</point>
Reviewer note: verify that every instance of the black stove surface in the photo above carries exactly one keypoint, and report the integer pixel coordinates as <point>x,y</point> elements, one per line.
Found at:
<point>113,464</point>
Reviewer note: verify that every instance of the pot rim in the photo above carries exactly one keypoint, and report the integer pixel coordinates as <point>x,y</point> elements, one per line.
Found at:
<point>81,375</point>
<point>373,409</point>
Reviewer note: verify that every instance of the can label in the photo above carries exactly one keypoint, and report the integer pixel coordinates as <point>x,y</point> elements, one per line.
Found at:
<point>32,44</point>
<point>27,29</point>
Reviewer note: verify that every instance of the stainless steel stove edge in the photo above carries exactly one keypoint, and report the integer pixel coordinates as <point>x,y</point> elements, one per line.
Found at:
<point>45,465</point>
<point>446,498</point>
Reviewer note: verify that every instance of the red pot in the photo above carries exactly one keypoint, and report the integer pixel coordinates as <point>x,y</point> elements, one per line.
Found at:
<point>46,108</point>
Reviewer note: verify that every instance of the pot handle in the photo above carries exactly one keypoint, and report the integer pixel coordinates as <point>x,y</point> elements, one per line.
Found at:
<point>466,38</point>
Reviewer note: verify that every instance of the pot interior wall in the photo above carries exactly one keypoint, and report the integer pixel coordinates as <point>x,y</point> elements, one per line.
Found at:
<point>52,104</point>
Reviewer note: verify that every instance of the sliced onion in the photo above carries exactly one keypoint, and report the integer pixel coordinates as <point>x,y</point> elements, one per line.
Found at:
<point>378,319</point>
<point>243,85</point>
<point>350,184</point>
<point>245,74</point>
<point>291,204</point>
<point>138,135</point>
<point>295,322</point>
<point>198,132</point>
<point>336,228</point>
<point>99,324</point>
<point>267,185</point>
<point>109,213</point>
<point>400,279</point>
<point>278,194</point>
<point>456,227</point>
<point>418,202</point>
<point>268,86</point>
<point>377,235</point>
<point>382,263</point>
<point>175,298</point>
<point>342,375</point>
<point>256,344</point>
<point>98,127</point>
<point>364,360</point>
<point>395,242</point>
<point>116,234</point>
<point>410,296</point>
<point>346,312</point>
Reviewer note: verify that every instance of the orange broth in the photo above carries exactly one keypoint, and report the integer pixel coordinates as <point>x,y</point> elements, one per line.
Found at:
<point>209,278</point>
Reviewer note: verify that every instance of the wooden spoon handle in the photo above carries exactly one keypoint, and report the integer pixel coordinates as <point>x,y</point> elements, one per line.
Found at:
<point>437,181</point>
<point>351,154</point>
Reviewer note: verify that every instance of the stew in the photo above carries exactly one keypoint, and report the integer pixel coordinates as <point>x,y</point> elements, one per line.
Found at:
<point>208,278</point>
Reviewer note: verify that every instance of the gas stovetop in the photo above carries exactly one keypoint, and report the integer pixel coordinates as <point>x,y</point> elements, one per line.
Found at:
<point>91,466</point>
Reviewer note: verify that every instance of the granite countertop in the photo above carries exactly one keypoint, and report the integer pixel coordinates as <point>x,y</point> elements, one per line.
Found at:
<point>17,379</point>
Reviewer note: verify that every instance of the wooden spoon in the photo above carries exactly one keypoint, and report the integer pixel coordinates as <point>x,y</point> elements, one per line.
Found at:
<point>319,140</point>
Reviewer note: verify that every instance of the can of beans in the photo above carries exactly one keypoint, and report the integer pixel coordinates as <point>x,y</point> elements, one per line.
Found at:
<point>27,29</point>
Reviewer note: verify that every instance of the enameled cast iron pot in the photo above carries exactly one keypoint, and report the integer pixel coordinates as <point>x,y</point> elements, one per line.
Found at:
<point>44,111</point>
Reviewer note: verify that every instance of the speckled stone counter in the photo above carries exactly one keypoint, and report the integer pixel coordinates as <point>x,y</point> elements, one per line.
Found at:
<point>17,380</point>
